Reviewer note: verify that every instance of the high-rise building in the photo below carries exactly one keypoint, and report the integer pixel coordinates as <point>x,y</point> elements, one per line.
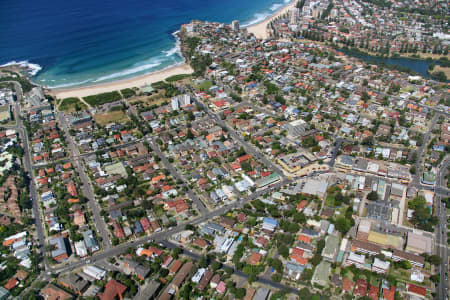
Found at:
<point>184,100</point>
<point>293,15</point>
<point>235,25</point>
<point>175,105</point>
<point>180,101</point>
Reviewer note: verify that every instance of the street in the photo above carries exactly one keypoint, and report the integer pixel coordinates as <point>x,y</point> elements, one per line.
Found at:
<point>441,235</point>
<point>86,187</point>
<point>40,231</point>
<point>197,201</point>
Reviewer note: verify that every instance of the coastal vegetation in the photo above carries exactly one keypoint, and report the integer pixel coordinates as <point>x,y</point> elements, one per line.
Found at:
<point>25,83</point>
<point>177,77</point>
<point>169,89</point>
<point>71,104</point>
<point>96,100</point>
<point>198,62</point>
<point>128,93</point>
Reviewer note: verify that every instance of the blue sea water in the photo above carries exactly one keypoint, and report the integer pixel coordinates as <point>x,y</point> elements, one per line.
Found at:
<point>92,41</point>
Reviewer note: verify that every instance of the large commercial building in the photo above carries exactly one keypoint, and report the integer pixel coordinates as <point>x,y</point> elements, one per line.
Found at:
<point>418,243</point>
<point>321,273</point>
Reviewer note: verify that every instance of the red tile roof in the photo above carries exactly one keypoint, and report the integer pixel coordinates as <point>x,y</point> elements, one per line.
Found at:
<point>373,292</point>
<point>254,258</point>
<point>347,285</point>
<point>301,205</point>
<point>12,282</point>
<point>113,289</point>
<point>412,288</point>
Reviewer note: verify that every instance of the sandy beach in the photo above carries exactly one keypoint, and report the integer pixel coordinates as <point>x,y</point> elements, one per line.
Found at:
<point>259,29</point>
<point>122,84</point>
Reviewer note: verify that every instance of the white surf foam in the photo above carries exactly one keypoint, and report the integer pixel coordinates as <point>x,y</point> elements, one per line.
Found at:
<point>257,18</point>
<point>276,6</point>
<point>177,48</point>
<point>172,51</point>
<point>66,85</point>
<point>33,69</point>
<point>126,72</point>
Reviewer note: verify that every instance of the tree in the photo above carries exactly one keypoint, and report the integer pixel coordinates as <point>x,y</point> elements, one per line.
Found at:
<point>277,265</point>
<point>216,265</point>
<point>176,252</point>
<point>435,259</point>
<point>435,278</point>
<point>277,277</point>
<point>307,275</point>
<point>405,264</point>
<point>203,262</point>
<point>372,196</point>
<point>344,224</point>
<point>304,293</point>
<point>283,250</point>
<point>439,76</point>
<point>185,293</point>
<point>240,293</point>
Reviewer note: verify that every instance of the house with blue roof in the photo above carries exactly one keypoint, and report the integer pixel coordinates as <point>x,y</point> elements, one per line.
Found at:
<point>138,227</point>
<point>269,224</point>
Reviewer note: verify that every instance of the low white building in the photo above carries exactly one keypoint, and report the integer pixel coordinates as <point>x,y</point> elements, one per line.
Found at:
<point>196,278</point>
<point>380,266</point>
<point>80,249</point>
<point>94,272</point>
<point>358,260</point>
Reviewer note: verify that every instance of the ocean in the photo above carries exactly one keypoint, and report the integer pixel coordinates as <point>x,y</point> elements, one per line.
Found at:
<point>85,42</point>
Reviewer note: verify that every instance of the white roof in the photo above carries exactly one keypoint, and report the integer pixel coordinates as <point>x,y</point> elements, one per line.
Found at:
<point>94,272</point>
<point>378,263</point>
<point>364,226</point>
<point>419,243</point>
<point>80,248</point>
<point>356,258</point>
<point>17,236</point>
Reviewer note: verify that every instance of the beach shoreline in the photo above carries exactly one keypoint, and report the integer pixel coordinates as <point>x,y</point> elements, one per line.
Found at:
<point>138,81</point>
<point>260,29</point>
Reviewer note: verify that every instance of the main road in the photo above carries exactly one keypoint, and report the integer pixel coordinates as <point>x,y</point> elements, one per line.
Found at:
<point>164,235</point>
<point>426,140</point>
<point>28,167</point>
<point>441,234</point>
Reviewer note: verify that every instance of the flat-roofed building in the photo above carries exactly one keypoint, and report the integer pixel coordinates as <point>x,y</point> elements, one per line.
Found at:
<point>330,250</point>
<point>74,283</point>
<point>321,273</point>
<point>357,260</point>
<point>363,230</point>
<point>385,240</point>
<point>380,266</point>
<point>261,294</point>
<point>419,243</point>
